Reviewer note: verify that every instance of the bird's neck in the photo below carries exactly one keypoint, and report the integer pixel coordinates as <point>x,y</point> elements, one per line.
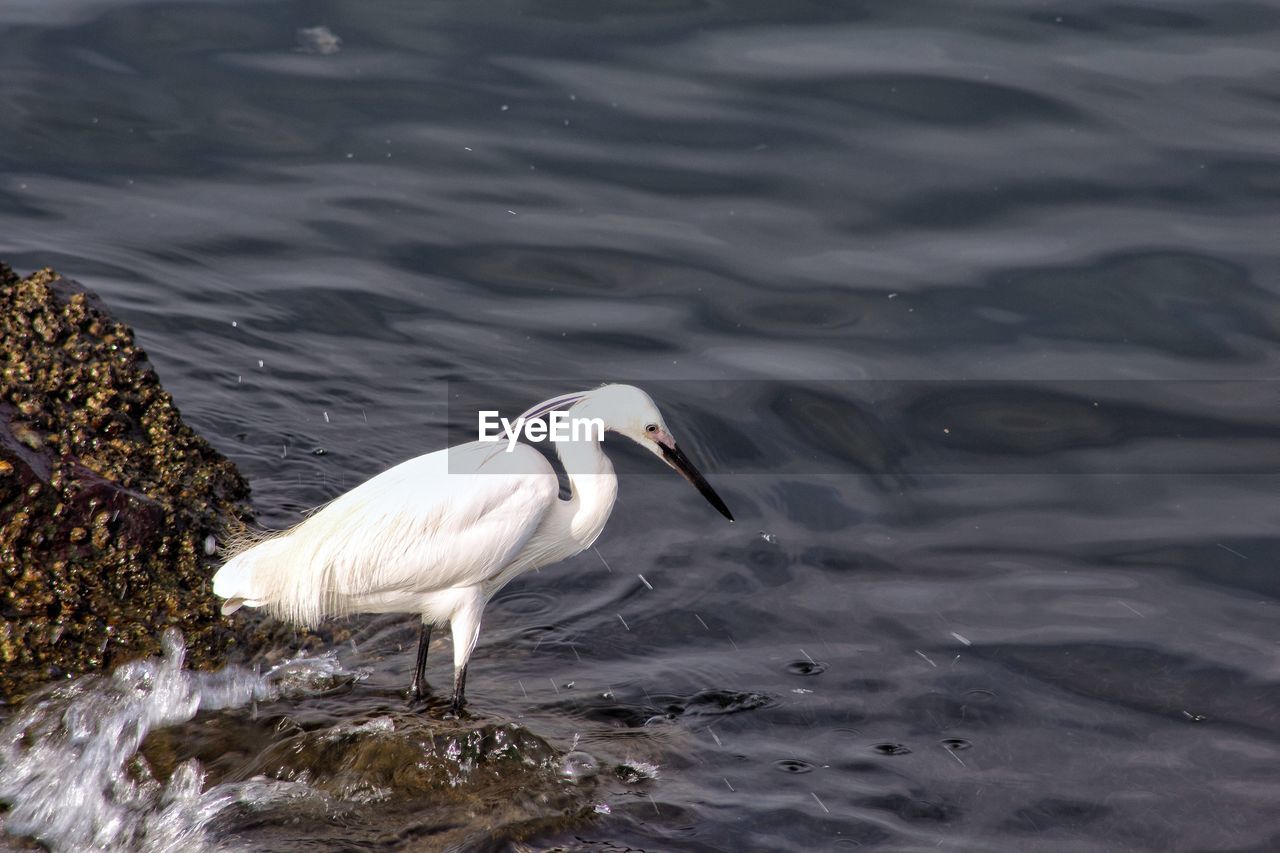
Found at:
<point>594,487</point>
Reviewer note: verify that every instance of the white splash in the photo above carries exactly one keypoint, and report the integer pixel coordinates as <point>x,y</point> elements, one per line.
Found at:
<point>636,771</point>
<point>68,759</point>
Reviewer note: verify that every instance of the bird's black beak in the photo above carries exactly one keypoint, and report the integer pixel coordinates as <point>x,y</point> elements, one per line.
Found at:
<point>676,459</point>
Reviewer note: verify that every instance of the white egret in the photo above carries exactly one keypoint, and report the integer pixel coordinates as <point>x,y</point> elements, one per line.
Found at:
<point>440,534</point>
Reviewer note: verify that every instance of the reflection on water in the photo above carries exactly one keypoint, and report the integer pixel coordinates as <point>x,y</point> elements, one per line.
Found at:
<point>915,258</point>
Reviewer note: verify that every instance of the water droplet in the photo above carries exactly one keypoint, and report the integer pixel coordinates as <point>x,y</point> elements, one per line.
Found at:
<point>578,766</point>
<point>955,744</point>
<point>891,749</point>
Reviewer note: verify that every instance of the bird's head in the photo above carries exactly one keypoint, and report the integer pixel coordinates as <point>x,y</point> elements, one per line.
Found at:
<point>627,410</point>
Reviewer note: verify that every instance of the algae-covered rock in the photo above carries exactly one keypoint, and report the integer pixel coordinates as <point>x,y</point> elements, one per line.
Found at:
<point>106,496</point>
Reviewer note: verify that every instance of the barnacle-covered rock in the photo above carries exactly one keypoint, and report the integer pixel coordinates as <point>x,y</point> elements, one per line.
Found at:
<point>106,495</point>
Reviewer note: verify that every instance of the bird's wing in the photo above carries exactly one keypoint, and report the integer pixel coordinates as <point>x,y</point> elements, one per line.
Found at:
<point>452,518</point>
<point>431,526</point>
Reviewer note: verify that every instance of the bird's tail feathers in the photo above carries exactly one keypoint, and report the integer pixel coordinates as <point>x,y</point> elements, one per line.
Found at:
<point>263,570</point>
<point>289,573</point>
<point>236,581</point>
<point>231,605</point>
<point>237,537</point>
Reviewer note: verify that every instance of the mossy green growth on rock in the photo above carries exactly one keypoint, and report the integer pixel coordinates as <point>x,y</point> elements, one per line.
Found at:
<point>106,496</point>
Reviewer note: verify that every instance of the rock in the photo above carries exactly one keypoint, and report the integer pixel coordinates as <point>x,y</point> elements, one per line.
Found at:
<point>106,496</point>
<point>380,781</point>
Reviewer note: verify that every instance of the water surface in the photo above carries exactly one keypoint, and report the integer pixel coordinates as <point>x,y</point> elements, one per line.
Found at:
<point>912,246</point>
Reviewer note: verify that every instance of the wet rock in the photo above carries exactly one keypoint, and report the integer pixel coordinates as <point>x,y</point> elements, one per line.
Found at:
<point>398,780</point>
<point>106,496</point>
<point>401,756</point>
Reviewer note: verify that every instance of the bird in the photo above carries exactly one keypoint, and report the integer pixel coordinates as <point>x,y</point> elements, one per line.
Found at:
<point>440,534</point>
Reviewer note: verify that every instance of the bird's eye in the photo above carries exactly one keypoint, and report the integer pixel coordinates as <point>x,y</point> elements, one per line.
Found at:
<point>651,428</point>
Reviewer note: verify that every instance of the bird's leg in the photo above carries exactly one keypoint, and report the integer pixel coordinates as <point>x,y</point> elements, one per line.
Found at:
<point>459,691</point>
<point>464,622</point>
<point>417,689</point>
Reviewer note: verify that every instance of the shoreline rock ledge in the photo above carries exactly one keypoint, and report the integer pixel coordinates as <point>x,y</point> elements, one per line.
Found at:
<point>107,498</point>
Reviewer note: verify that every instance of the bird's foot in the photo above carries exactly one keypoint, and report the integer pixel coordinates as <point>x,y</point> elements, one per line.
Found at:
<point>456,709</point>
<point>417,694</point>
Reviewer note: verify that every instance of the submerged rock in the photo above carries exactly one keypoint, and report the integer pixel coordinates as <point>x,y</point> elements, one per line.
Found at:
<point>406,755</point>
<point>106,496</point>
<point>398,779</point>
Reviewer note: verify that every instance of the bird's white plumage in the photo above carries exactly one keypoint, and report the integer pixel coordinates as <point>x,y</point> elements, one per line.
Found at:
<point>449,519</point>
<point>440,534</point>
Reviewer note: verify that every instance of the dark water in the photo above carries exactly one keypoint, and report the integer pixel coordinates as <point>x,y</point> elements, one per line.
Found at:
<point>987,614</point>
